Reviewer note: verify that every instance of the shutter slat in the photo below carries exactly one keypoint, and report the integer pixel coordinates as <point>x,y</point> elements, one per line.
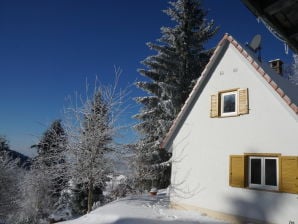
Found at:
<point>237,171</point>
<point>243,101</point>
<point>214,106</point>
<point>289,174</point>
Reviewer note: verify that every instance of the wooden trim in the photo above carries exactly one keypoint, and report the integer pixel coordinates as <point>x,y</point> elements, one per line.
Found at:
<point>215,105</point>
<point>263,154</point>
<point>237,171</point>
<point>289,174</point>
<point>219,102</point>
<point>243,101</point>
<point>228,90</point>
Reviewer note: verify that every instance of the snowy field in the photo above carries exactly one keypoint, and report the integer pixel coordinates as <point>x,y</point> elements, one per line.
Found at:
<point>143,209</point>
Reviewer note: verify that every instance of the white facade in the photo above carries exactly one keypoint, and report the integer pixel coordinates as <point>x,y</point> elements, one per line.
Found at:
<point>202,146</point>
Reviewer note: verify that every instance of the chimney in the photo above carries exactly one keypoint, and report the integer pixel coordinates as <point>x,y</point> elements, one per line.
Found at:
<point>276,65</point>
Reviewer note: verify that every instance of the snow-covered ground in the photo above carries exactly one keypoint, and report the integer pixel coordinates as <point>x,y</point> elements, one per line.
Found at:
<point>144,209</point>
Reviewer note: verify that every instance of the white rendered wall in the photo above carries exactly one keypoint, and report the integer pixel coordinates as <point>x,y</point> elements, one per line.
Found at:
<point>201,149</point>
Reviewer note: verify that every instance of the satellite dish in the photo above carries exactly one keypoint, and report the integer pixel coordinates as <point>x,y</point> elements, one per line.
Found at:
<point>255,43</point>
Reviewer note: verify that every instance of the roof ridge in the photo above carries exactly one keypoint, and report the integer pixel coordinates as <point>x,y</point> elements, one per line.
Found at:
<point>251,60</point>
<point>261,71</point>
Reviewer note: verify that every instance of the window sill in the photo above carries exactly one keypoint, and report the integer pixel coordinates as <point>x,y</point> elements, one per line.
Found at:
<point>263,189</point>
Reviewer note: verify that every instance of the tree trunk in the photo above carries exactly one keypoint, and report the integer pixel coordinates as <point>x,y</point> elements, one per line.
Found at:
<point>90,196</point>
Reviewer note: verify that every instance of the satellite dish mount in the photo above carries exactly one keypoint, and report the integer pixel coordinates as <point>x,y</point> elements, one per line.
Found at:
<point>255,45</point>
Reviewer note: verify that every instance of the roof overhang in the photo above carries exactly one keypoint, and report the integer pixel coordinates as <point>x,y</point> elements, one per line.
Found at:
<point>281,15</point>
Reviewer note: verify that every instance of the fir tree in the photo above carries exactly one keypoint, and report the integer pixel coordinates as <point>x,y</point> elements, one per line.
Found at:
<point>172,72</point>
<point>48,175</point>
<point>3,144</point>
<point>51,156</point>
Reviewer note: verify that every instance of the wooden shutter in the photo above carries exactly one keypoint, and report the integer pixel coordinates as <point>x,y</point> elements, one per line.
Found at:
<point>214,112</point>
<point>243,101</point>
<point>238,167</point>
<point>289,174</point>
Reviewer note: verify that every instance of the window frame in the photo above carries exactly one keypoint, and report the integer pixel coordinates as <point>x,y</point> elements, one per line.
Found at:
<point>222,95</point>
<point>263,175</point>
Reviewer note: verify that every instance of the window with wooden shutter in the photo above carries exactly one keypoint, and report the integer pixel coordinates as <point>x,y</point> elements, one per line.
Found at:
<point>243,101</point>
<point>238,167</point>
<point>289,174</point>
<point>229,103</point>
<point>214,106</point>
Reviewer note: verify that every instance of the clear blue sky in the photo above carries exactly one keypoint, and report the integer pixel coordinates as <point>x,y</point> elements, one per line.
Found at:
<point>48,48</point>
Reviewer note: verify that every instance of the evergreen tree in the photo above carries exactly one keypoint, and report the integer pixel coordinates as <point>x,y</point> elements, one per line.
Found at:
<point>3,144</point>
<point>51,156</point>
<point>47,177</point>
<point>172,72</point>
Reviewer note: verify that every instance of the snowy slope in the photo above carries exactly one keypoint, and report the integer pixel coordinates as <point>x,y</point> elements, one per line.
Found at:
<point>143,209</point>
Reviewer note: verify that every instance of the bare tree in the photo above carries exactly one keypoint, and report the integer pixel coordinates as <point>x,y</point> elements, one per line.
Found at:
<point>91,125</point>
<point>36,203</point>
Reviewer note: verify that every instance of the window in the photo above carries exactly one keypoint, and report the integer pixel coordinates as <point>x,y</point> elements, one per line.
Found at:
<point>266,171</point>
<point>263,172</point>
<point>229,103</point>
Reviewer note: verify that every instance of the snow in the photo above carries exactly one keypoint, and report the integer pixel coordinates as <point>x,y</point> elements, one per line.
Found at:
<point>145,209</point>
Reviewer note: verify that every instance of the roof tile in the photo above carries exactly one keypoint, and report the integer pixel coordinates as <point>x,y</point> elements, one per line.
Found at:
<point>280,92</point>
<point>273,84</point>
<point>252,61</point>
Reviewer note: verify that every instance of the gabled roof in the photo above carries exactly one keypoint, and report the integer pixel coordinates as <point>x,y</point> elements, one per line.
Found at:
<point>286,90</point>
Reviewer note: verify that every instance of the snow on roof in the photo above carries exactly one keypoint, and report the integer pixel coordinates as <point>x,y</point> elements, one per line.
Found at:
<point>285,89</point>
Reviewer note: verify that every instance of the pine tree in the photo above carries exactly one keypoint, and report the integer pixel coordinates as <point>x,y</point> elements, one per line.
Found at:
<point>47,177</point>
<point>172,72</point>
<point>51,156</point>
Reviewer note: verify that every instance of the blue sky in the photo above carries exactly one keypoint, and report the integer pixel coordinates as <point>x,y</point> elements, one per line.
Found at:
<point>48,48</point>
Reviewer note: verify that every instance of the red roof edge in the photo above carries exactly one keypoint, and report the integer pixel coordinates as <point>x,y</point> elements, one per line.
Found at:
<point>250,59</point>
<point>266,76</point>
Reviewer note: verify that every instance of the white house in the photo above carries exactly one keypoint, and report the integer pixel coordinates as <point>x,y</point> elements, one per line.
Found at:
<point>235,141</point>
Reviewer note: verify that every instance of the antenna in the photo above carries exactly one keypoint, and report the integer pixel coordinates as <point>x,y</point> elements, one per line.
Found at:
<point>255,45</point>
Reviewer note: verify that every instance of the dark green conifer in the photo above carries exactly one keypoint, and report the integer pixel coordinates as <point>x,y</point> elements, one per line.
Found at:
<point>172,72</point>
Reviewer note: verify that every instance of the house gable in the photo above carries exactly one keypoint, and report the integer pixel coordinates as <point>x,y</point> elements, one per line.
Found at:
<point>211,154</point>
<point>287,92</point>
